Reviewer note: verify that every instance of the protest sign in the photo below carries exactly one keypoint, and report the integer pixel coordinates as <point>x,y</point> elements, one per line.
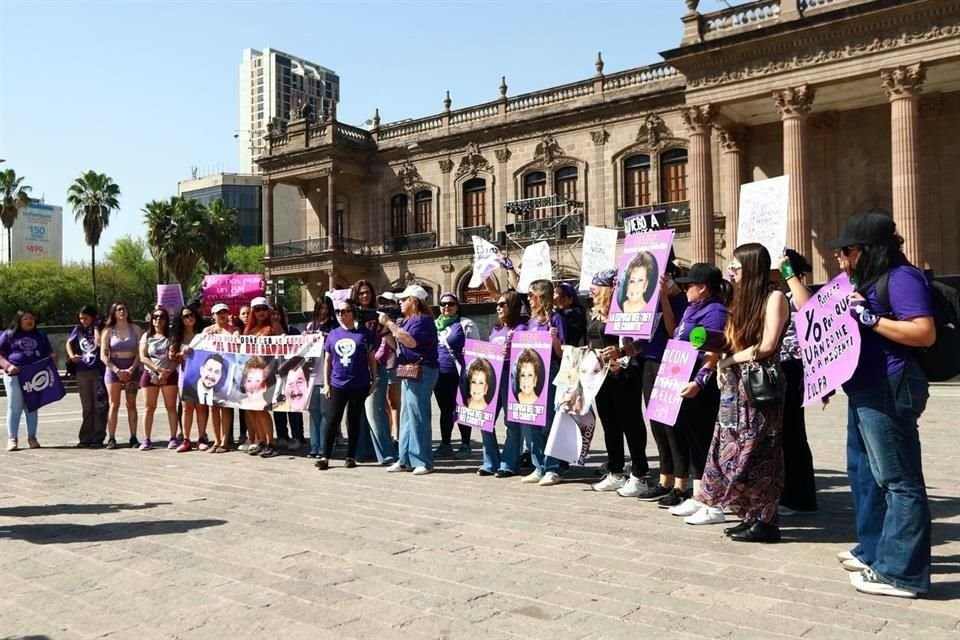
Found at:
<point>581,374</point>
<point>338,295</point>
<point>232,289</point>
<point>479,387</point>
<point>643,222</point>
<point>40,383</point>
<point>829,339</point>
<point>599,253</point>
<point>535,265</point>
<point>570,437</point>
<point>257,373</point>
<point>674,374</point>
<point>486,260</point>
<point>636,298</point>
<point>171,297</point>
<point>530,357</point>
<point>763,214</point>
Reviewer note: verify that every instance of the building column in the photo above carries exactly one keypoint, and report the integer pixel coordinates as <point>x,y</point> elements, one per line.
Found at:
<point>902,85</point>
<point>499,217</point>
<point>268,219</point>
<point>446,234</point>
<point>699,121</point>
<point>595,211</point>
<point>332,207</point>
<point>794,104</point>
<point>733,140</point>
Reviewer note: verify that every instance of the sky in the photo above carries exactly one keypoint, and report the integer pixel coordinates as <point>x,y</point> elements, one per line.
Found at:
<point>143,91</point>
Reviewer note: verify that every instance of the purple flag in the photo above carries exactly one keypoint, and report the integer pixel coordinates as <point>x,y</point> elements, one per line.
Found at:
<point>676,367</point>
<point>530,356</point>
<point>479,384</point>
<point>40,383</point>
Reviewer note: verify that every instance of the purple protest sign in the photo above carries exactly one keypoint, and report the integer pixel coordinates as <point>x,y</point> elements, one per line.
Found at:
<point>636,297</point>
<point>171,297</point>
<point>676,367</point>
<point>829,339</point>
<point>233,289</point>
<point>40,383</point>
<point>530,356</point>
<point>479,384</point>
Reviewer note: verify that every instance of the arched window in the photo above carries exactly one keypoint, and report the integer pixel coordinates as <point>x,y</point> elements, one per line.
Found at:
<point>423,211</point>
<point>398,215</point>
<point>535,186</point>
<point>473,295</point>
<point>565,183</point>
<point>673,175</point>
<point>636,181</point>
<point>475,202</point>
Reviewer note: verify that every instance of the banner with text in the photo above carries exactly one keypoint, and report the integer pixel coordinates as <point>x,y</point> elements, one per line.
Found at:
<point>233,289</point>
<point>636,298</point>
<point>829,339</point>
<point>763,214</point>
<point>531,353</point>
<point>535,265</point>
<point>674,373</point>
<point>479,388</point>
<point>599,253</point>
<point>644,222</point>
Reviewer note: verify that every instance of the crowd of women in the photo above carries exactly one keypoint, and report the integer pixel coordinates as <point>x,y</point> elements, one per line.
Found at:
<point>724,456</point>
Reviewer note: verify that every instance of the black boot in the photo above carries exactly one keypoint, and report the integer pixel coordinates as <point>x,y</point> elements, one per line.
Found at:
<point>758,532</point>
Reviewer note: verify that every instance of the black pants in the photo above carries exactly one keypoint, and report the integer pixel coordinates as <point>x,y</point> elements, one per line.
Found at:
<point>799,486</point>
<point>690,438</point>
<point>659,430</point>
<point>621,418</point>
<point>280,420</point>
<point>352,400</point>
<point>445,391</point>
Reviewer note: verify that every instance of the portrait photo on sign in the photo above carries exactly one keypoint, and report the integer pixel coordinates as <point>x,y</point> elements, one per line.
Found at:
<point>581,375</point>
<point>639,282</point>
<point>255,382</point>
<point>294,384</point>
<point>528,377</point>
<point>478,384</point>
<point>208,378</point>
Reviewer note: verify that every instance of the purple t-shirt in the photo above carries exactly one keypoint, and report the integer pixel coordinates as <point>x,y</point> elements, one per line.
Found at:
<point>83,340</point>
<point>422,329</point>
<point>455,338</point>
<point>654,348</point>
<point>556,320</point>
<point>880,358</point>
<point>25,347</point>
<point>347,350</point>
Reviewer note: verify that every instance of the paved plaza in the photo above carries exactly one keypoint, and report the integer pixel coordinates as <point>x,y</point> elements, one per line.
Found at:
<point>150,545</point>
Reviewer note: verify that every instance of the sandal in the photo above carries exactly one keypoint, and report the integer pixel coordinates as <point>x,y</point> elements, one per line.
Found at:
<point>219,449</point>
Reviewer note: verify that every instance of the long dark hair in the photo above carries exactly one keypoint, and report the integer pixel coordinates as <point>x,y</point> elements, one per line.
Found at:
<point>355,293</point>
<point>745,321</point>
<point>151,330</point>
<point>14,327</point>
<point>876,259</point>
<point>514,305</point>
<point>112,316</point>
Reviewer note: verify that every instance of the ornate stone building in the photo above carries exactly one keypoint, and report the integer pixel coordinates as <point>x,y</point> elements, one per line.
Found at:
<point>857,100</point>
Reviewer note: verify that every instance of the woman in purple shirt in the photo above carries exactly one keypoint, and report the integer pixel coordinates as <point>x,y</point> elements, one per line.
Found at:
<point>887,394</point>
<point>417,343</point>
<point>450,356</point>
<point>83,349</point>
<point>20,345</point>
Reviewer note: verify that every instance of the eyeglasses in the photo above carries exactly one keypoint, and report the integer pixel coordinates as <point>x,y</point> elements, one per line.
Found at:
<point>123,309</point>
<point>341,312</point>
<point>501,304</point>
<point>734,266</point>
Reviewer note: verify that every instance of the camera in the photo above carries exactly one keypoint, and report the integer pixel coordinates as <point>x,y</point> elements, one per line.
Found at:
<point>366,315</point>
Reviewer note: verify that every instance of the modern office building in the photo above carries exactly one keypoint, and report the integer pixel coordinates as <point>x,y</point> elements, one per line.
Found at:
<point>274,86</point>
<point>37,233</point>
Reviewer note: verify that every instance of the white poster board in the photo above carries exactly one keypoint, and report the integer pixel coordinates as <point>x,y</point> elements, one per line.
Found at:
<point>599,253</point>
<point>486,260</point>
<point>535,265</point>
<point>763,214</point>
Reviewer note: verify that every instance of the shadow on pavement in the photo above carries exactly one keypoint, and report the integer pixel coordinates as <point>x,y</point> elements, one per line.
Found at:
<point>56,509</point>
<point>72,533</point>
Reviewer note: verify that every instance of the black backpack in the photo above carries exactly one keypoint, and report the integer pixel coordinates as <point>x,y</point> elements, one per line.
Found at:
<point>940,361</point>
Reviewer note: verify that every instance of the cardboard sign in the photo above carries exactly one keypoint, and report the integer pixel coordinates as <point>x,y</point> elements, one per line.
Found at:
<point>233,289</point>
<point>479,384</point>
<point>486,261</point>
<point>674,374</point>
<point>531,353</point>
<point>599,253</point>
<point>763,214</point>
<point>535,265</point>
<point>636,297</point>
<point>643,222</point>
<point>171,297</point>
<point>829,339</point>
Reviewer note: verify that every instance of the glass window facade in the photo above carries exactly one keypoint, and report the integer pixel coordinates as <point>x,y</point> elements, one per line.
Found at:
<point>246,200</point>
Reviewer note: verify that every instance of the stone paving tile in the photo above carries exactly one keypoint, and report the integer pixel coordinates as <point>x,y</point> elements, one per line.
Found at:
<point>144,545</point>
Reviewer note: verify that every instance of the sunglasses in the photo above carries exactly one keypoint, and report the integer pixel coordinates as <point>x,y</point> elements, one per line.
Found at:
<point>222,311</point>
<point>734,266</point>
<point>501,304</point>
<point>258,309</point>
<point>187,316</point>
<point>341,312</point>
<point>119,309</point>
<point>159,317</point>
<point>448,303</point>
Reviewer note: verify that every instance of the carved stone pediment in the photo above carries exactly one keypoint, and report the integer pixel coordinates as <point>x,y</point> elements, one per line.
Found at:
<point>472,162</point>
<point>409,176</point>
<point>548,151</point>
<point>652,131</point>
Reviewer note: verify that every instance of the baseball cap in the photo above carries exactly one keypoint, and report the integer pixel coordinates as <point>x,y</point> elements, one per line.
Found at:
<point>873,227</point>
<point>413,291</point>
<point>387,295</point>
<point>702,273</point>
<point>567,290</point>
<point>219,307</point>
<point>605,278</point>
<point>259,301</point>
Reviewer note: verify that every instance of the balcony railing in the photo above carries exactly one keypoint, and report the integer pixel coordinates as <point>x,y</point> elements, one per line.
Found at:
<point>677,213</point>
<point>465,234</point>
<point>410,242</point>
<point>316,246</point>
<point>547,227</point>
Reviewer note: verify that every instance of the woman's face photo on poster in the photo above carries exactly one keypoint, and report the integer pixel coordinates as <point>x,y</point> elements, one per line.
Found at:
<point>528,377</point>
<point>479,384</point>
<point>638,283</point>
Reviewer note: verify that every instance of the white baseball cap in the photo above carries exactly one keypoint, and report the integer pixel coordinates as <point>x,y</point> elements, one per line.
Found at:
<point>217,308</point>
<point>259,301</point>
<point>388,295</point>
<point>415,291</point>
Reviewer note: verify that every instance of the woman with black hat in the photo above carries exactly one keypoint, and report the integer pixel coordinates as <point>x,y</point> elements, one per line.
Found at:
<point>887,394</point>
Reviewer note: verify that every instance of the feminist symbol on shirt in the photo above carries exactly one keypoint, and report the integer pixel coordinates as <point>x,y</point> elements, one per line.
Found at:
<point>345,348</point>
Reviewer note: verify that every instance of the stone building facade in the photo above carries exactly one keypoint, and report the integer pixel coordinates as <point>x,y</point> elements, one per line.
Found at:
<point>857,100</point>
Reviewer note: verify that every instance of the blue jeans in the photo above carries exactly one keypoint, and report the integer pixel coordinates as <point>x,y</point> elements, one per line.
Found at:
<point>538,437</point>
<point>15,407</point>
<point>893,515</point>
<point>379,422</point>
<point>510,459</point>
<point>416,421</point>
<point>318,407</point>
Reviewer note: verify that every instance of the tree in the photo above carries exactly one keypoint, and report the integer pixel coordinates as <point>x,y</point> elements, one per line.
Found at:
<point>15,198</point>
<point>93,196</point>
<point>157,214</point>
<point>220,232</point>
<point>178,238</point>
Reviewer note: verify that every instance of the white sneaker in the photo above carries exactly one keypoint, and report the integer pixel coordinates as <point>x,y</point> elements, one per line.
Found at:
<point>396,466</point>
<point>531,478</point>
<point>843,556</point>
<point>867,581</point>
<point>853,565</point>
<point>610,482</point>
<point>422,471</point>
<point>549,479</point>
<point>12,444</point>
<point>706,515</point>
<point>686,508</point>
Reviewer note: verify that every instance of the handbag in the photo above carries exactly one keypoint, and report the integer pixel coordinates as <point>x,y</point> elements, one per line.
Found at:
<point>763,384</point>
<point>411,371</point>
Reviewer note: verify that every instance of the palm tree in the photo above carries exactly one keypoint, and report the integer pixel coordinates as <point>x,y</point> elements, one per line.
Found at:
<point>220,233</point>
<point>184,238</point>
<point>158,214</point>
<point>93,196</point>
<point>15,198</point>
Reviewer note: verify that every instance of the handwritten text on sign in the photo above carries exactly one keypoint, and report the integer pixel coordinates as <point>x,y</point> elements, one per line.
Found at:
<point>829,339</point>
<point>674,374</point>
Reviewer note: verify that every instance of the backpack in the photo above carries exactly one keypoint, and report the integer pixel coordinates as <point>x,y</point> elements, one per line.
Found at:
<point>941,360</point>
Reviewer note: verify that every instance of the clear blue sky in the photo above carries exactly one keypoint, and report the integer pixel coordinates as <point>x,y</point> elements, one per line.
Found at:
<point>143,91</point>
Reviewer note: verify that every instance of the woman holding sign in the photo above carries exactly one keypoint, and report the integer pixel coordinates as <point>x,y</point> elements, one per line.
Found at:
<point>20,345</point>
<point>259,424</point>
<point>887,394</point>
